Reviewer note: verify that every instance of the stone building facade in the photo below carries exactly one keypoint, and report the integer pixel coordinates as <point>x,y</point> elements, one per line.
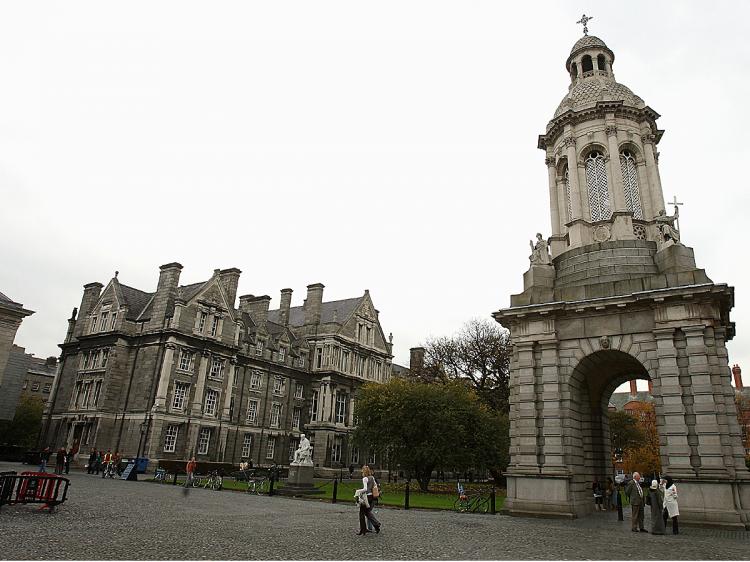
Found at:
<point>618,297</point>
<point>11,316</point>
<point>182,371</point>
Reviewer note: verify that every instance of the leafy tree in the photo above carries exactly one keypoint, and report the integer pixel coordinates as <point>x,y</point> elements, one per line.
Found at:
<point>479,355</point>
<point>644,456</point>
<point>23,430</point>
<point>427,426</point>
<point>624,431</point>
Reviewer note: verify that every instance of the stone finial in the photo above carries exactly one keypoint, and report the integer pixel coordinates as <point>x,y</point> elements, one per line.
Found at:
<point>585,20</point>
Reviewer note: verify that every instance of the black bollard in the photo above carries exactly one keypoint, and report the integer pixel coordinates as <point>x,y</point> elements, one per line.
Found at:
<point>619,507</point>
<point>492,502</point>
<point>270,487</point>
<point>174,482</point>
<point>335,490</point>
<point>406,496</point>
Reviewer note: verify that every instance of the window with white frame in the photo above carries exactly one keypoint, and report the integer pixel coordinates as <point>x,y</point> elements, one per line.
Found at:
<point>340,407</point>
<point>103,321</point>
<point>170,438</point>
<point>187,360</point>
<point>275,414</point>
<point>598,187</point>
<point>293,444</point>
<point>378,370</point>
<point>212,398</point>
<point>270,446</point>
<point>255,380</point>
<point>252,411</point>
<point>247,445</point>
<point>296,416</point>
<point>314,406</point>
<point>217,368</point>
<point>345,361</point>
<point>371,459</point>
<point>204,439</point>
<point>259,348</point>
<point>214,325</point>
<point>105,356</point>
<point>113,321</point>
<point>97,391</point>
<point>203,316</point>
<point>180,394</point>
<point>319,358</point>
<point>85,360</point>
<point>95,359</point>
<point>278,385</point>
<point>355,455</point>
<point>282,354</point>
<point>93,323</point>
<point>337,449</point>
<point>630,184</point>
<point>299,390</point>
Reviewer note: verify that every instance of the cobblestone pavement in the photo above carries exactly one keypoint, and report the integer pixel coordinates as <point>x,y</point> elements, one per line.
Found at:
<point>113,519</point>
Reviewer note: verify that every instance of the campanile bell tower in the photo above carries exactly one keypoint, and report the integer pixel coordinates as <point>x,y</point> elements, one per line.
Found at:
<point>614,295</point>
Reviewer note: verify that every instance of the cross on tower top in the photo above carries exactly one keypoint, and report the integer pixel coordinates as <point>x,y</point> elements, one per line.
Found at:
<point>585,20</point>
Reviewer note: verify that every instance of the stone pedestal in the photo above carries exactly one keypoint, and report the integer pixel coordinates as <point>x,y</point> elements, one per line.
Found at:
<point>300,481</point>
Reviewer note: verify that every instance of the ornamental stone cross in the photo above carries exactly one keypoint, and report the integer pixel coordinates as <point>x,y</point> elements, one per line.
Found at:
<point>585,20</point>
<point>676,211</point>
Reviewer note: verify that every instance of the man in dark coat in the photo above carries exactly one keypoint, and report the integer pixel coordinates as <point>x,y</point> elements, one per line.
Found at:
<point>635,494</point>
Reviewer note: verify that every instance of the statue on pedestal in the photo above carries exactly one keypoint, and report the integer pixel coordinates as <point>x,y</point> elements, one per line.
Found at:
<point>665,224</point>
<point>303,454</point>
<point>539,251</point>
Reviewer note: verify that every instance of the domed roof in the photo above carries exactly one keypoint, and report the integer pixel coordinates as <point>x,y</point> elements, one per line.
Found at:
<point>588,41</point>
<point>587,92</point>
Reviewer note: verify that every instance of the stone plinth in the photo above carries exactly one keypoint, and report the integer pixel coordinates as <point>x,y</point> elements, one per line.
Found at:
<point>300,481</point>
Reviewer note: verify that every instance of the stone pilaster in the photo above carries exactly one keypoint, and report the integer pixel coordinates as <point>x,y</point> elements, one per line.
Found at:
<point>552,430</point>
<point>553,201</point>
<point>657,196</point>
<point>200,384</point>
<point>164,376</point>
<point>524,426</point>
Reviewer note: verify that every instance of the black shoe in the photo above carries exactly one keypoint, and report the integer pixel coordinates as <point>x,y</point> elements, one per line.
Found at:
<point>634,530</point>
<point>644,531</point>
<point>377,529</point>
<point>361,532</point>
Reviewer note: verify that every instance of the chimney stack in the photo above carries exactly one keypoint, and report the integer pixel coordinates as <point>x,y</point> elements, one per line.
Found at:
<point>313,303</point>
<point>737,372</point>
<point>633,387</point>
<point>229,279</point>
<point>286,304</point>
<point>166,291</point>
<point>91,293</point>
<point>416,358</point>
<point>256,307</point>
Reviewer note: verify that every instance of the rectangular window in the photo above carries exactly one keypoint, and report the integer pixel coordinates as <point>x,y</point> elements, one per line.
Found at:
<point>314,406</point>
<point>299,390</point>
<point>94,359</point>
<point>270,446</point>
<point>360,328</point>
<point>180,394</point>
<point>34,387</point>
<point>187,361</point>
<point>202,321</point>
<point>293,444</point>
<point>336,450</point>
<point>355,455</point>
<point>378,370</point>
<point>296,416</point>
<point>275,414</point>
<point>93,324</point>
<point>47,388</point>
<point>247,445</point>
<point>217,368</point>
<point>319,358</point>
<point>345,361</point>
<point>301,361</point>
<point>204,438</point>
<point>212,398</point>
<point>231,407</point>
<point>340,407</point>
<point>214,325</point>
<point>278,385</point>
<point>113,321</point>
<point>259,348</point>
<point>252,411</point>
<point>170,438</point>
<point>97,392</point>
<point>369,335</point>
<point>103,321</point>
<point>371,459</point>
<point>85,360</point>
<point>282,354</point>
<point>255,381</point>
<point>105,356</point>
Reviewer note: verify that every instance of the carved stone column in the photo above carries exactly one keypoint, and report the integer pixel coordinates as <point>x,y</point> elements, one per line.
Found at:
<point>657,196</point>
<point>554,209</point>
<point>164,375</point>
<point>524,422</point>
<point>200,384</point>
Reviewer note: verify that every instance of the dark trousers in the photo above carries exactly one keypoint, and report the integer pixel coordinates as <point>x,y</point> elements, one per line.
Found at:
<point>366,513</point>
<point>675,526</point>
<point>636,521</point>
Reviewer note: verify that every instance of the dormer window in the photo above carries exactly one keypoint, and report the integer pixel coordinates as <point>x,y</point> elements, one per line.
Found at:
<point>282,354</point>
<point>103,321</point>
<point>112,322</point>
<point>214,325</point>
<point>202,321</point>
<point>259,348</point>
<point>93,324</point>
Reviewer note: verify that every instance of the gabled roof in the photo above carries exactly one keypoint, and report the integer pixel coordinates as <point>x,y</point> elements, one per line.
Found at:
<point>187,292</point>
<point>135,299</point>
<point>343,309</point>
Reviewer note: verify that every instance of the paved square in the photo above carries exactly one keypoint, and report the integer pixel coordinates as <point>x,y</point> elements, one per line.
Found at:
<point>112,519</point>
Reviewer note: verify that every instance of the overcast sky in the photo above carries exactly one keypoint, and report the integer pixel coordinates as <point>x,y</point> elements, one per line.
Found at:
<point>388,146</point>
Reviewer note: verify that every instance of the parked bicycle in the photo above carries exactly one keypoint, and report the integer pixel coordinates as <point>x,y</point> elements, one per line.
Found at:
<point>471,502</point>
<point>212,482</point>
<point>258,485</point>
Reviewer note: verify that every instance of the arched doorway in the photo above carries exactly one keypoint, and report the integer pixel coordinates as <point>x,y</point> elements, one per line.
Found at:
<point>591,384</point>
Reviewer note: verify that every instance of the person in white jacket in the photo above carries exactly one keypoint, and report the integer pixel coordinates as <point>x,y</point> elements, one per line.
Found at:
<point>365,509</point>
<point>671,509</point>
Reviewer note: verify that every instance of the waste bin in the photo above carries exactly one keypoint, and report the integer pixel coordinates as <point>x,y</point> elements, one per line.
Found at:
<point>141,463</point>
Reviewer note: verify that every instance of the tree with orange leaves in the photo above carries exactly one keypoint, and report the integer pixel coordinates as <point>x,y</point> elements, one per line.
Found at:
<point>644,456</point>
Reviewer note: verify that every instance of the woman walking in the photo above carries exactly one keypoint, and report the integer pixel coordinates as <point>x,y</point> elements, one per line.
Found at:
<point>365,507</point>
<point>671,509</point>
<point>656,501</point>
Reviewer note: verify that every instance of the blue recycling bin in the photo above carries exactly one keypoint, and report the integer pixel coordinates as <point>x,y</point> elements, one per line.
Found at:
<point>141,464</point>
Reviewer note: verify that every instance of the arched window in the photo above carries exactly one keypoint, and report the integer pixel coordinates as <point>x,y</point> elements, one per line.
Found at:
<point>587,64</point>
<point>596,182</point>
<point>600,62</point>
<point>630,184</point>
<point>566,176</point>
<point>573,71</point>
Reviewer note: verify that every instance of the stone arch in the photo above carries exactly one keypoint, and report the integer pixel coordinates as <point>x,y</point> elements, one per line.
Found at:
<point>590,147</point>
<point>598,369</point>
<point>634,149</point>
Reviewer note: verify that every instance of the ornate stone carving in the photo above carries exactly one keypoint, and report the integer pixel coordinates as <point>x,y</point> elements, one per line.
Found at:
<point>568,141</point>
<point>604,342</point>
<point>602,233</point>
<point>668,234</point>
<point>303,454</point>
<point>539,251</point>
<point>611,130</point>
<point>550,161</point>
<point>648,138</point>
